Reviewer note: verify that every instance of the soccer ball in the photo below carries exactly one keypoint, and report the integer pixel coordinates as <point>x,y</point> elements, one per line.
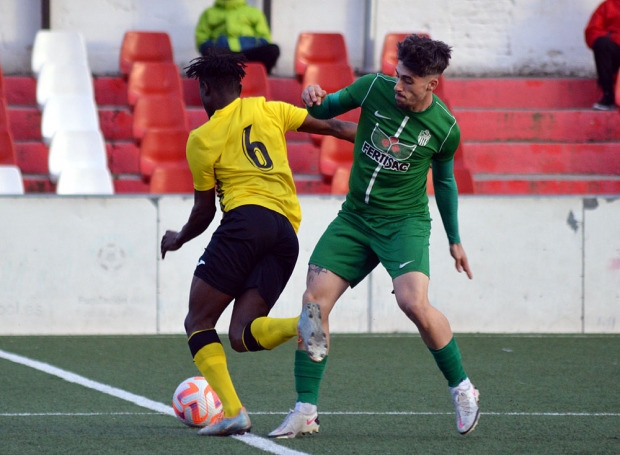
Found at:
<point>195,403</point>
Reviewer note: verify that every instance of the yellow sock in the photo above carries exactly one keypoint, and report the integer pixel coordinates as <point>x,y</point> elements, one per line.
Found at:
<point>272,332</point>
<point>211,361</point>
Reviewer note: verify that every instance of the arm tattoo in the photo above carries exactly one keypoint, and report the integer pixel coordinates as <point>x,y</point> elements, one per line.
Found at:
<point>315,270</point>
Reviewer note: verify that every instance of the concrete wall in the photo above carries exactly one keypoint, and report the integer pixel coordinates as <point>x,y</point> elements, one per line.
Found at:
<point>490,37</point>
<point>74,265</point>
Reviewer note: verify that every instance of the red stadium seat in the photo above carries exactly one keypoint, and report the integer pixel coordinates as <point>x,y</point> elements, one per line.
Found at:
<point>159,111</point>
<point>4,115</point>
<point>2,90</point>
<point>162,148</point>
<point>153,78</point>
<point>7,149</point>
<point>330,76</point>
<point>166,180</point>
<point>462,175</point>
<point>255,82</point>
<point>335,153</point>
<point>340,182</point>
<point>138,46</point>
<point>389,54</point>
<point>319,48</point>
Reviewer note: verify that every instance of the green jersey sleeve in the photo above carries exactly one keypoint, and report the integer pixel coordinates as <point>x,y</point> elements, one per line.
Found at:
<point>446,195</point>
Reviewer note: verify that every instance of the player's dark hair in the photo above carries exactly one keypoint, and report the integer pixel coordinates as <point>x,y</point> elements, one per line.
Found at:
<point>424,56</point>
<point>223,71</point>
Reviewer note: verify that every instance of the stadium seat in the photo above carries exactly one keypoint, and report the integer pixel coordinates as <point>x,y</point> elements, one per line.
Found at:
<point>255,82</point>
<point>172,180</point>
<point>7,149</point>
<point>2,89</point>
<point>66,78</point>
<point>68,113</point>
<point>319,48</point>
<point>335,153</point>
<point>389,54</point>
<point>4,115</point>
<point>158,111</point>
<point>86,181</point>
<point>81,149</point>
<point>463,177</point>
<point>340,181</point>
<point>330,76</point>
<point>139,46</point>
<point>59,46</point>
<point>153,78</point>
<point>162,148</point>
<point>11,180</point>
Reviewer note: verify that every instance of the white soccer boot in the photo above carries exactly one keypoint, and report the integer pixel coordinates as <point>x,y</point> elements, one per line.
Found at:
<point>465,397</point>
<point>239,424</point>
<point>310,329</point>
<point>296,422</point>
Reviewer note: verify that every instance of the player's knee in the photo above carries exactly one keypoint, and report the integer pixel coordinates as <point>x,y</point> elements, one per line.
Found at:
<point>236,342</point>
<point>310,296</point>
<point>190,326</point>
<point>414,306</point>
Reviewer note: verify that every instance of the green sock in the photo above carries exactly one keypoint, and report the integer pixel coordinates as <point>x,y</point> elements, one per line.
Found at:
<point>448,360</point>
<point>308,375</point>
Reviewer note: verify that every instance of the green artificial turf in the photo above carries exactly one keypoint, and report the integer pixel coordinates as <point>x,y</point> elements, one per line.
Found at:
<point>380,395</point>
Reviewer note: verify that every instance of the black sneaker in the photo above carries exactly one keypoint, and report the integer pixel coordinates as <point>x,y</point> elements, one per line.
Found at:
<point>606,103</point>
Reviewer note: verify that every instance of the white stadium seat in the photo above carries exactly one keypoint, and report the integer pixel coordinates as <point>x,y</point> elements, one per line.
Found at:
<point>81,149</point>
<point>11,180</point>
<point>85,181</point>
<point>57,46</point>
<point>66,78</point>
<point>68,113</point>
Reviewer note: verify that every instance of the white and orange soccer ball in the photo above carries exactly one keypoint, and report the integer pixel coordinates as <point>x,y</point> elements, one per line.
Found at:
<point>195,403</point>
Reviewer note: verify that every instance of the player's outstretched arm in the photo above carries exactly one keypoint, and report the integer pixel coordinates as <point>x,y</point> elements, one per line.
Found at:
<point>200,217</point>
<point>333,127</point>
<point>460,259</point>
<point>313,94</point>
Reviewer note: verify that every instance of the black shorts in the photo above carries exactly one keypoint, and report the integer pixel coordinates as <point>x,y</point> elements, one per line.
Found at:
<point>253,247</point>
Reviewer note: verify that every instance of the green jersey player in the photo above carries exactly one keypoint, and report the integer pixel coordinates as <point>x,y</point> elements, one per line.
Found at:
<point>404,130</point>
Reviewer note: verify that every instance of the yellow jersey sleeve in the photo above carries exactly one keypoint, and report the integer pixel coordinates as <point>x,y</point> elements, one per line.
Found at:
<point>201,161</point>
<point>292,117</point>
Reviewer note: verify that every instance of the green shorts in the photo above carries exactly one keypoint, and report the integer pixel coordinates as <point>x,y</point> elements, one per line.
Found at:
<point>352,246</point>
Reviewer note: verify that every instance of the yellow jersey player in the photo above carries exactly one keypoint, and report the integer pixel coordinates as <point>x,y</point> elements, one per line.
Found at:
<point>240,156</point>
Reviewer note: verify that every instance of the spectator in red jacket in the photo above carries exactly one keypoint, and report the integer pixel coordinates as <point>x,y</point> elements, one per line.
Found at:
<point>603,37</point>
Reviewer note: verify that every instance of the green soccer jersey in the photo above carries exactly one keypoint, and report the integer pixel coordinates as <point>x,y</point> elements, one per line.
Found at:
<point>394,147</point>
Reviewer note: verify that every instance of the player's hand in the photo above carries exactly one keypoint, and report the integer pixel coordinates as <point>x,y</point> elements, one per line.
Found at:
<point>460,259</point>
<point>313,94</point>
<point>169,242</point>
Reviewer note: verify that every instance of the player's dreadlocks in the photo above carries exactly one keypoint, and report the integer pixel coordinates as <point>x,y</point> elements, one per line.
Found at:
<point>221,70</point>
<point>424,56</point>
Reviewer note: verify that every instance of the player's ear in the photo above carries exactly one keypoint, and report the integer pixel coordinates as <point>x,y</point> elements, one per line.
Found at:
<point>433,83</point>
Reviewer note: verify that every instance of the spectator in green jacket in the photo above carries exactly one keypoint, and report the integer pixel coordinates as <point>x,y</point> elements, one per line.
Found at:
<point>233,26</point>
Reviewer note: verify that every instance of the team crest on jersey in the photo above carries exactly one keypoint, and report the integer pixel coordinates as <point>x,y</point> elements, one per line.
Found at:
<point>424,137</point>
<point>388,151</point>
<point>391,145</point>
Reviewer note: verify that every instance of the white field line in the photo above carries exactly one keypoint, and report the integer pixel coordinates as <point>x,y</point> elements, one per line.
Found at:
<point>248,438</point>
<point>370,413</point>
<point>414,413</point>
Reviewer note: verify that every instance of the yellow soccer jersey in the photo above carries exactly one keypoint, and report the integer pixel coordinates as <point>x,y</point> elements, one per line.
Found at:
<point>242,151</point>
